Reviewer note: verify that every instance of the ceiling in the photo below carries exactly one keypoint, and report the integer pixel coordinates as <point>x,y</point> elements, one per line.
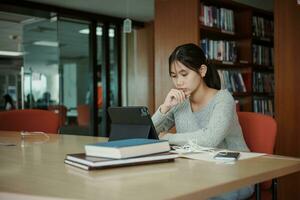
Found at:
<point>140,10</point>
<point>20,32</point>
<point>73,43</point>
<point>11,31</point>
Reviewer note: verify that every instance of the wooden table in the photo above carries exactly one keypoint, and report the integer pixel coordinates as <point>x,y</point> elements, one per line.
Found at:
<point>34,169</point>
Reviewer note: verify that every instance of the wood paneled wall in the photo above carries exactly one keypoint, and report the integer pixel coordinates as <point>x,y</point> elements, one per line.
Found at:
<point>287,89</point>
<point>176,23</point>
<point>141,67</point>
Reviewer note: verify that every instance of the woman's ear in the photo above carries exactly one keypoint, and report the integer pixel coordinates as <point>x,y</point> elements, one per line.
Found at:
<point>203,70</point>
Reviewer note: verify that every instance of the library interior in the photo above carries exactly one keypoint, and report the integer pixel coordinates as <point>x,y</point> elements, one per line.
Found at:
<point>75,75</point>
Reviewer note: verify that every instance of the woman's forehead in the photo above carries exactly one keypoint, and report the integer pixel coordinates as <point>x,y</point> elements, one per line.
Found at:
<point>178,66</point>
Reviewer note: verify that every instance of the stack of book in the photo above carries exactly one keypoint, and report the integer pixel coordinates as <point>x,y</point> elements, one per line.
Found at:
<point>121,153</point>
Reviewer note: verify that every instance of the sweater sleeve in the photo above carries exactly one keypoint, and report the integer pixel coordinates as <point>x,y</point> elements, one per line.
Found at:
<point>215,132</point>
<point>163,122</point>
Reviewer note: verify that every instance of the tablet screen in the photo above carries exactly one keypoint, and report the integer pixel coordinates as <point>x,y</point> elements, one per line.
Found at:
<point>131,122</point>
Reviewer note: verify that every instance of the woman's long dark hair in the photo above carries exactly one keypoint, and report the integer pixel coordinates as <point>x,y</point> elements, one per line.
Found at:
<point>192,56</point>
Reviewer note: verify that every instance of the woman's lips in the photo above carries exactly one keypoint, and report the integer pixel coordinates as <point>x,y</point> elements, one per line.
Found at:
<point>183,89</point>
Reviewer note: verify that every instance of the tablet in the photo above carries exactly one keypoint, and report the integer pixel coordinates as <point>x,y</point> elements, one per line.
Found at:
<point>131,122</point>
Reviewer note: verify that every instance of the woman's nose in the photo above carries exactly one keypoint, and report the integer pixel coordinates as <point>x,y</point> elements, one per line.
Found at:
<point>179,82</point>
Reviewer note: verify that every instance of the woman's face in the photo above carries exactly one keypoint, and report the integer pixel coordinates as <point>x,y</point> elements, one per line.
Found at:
<point>184,78</point>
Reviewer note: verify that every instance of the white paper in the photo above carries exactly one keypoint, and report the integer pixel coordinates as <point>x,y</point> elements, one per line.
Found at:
<point>209,156</point>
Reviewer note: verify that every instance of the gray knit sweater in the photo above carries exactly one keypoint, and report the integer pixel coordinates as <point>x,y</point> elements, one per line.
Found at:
<point>215,125</point>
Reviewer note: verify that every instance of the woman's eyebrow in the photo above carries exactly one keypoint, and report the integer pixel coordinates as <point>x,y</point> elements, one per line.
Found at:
<point>182,70</point>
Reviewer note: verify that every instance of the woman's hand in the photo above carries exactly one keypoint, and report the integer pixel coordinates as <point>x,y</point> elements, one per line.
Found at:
<point>173,98</point>
<point>162,134</point>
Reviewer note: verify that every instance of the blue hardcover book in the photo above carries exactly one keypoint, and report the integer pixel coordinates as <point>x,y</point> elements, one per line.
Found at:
<point>127,148</point>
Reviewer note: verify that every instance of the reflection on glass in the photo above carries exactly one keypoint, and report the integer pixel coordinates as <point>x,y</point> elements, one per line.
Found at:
<point>40,43</point>
<point>113,67</point>
<point>75,74</point>
<point>112,90</point>
<point>99,76</point>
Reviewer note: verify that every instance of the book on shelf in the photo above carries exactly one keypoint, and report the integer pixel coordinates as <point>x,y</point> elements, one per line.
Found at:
<point>83,161</point>
<point>262,27</point>
<point>263,55</point>
<point>264,106</point>
<point>220,18</point>
<point>233,81</point>
<point>247,77</point>
<point>219,50</point>
<point>263,82</point>
<point>128,148</point>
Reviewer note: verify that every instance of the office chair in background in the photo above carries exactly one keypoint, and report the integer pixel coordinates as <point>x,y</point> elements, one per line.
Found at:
<point>31,120</point>
<point>61,111</point>
<point>260,135</point>
<point>83,117</point>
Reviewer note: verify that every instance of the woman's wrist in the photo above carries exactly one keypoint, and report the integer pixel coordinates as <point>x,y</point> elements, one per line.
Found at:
<point>164,109</point>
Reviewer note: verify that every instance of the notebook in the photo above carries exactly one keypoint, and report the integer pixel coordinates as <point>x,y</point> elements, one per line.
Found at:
<point>81,160</point>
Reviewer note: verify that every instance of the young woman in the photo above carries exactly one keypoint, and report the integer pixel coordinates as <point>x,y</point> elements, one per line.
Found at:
<point>199,109</point>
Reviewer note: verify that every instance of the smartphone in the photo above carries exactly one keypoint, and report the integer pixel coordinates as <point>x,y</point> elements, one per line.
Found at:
<point>227,155</point>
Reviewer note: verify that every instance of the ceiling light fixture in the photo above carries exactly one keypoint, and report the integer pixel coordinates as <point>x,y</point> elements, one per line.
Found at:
<point>46,43</point>
<point>87,31</point>
<point>127,23</point>
<point>11,53</point>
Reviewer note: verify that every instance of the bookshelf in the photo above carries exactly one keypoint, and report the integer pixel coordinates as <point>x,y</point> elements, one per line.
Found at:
<point>237,39</point>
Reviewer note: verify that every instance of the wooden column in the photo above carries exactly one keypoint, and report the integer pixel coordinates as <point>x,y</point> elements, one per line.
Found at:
<point>141,68</point>
<point>287,89</point>
<point>176,22</point>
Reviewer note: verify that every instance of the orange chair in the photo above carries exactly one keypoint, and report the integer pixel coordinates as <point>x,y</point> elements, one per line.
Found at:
<point>260,134</point>
<point>29,120</point>
<point>83,117</point>
<point>61,111</point>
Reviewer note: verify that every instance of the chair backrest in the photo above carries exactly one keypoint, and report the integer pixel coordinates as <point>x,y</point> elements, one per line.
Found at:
<point>259,132</point>
<point>29,120</point>
<point>61,111</point>
<point>83,117</point>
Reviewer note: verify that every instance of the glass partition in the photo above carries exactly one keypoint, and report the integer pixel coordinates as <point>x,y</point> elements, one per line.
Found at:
<point>58,72</point>
<point>75,75</point>
<point>113,72</point>
<point>113,66</point>
<point>41,59</point>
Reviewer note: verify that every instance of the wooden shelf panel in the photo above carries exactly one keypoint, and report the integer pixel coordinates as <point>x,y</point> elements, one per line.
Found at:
<point>263,13</point>
<point>241,94</point>
<point>265,41</point>
<point>216,33</point>
<point>263,68</point>
<point>253,94</point>
<point>226,4</point>
<point>263,94</point>
<point>230,65</point>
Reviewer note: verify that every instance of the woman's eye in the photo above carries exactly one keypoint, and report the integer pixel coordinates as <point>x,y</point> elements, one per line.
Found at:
<point>184,74</point>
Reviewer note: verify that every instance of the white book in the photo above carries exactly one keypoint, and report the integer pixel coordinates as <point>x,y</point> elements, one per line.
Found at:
<point>242,82</point>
